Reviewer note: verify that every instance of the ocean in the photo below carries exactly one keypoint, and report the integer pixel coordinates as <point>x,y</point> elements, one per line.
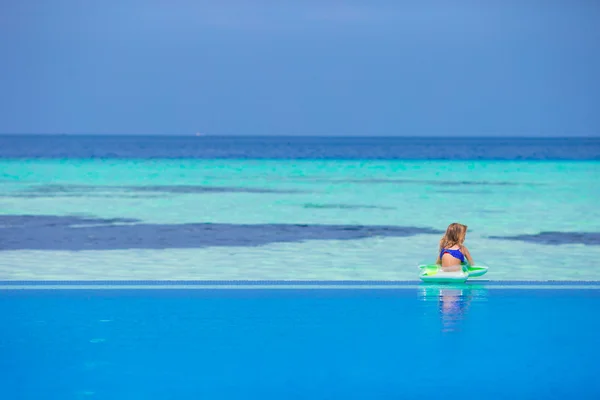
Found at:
<point>205,208</point>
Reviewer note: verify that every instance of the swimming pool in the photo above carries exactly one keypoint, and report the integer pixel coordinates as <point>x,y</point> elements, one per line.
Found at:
<point>315,340</point>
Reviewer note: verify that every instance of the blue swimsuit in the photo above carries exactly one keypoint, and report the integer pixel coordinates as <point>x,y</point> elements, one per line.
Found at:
<point>454,253</point>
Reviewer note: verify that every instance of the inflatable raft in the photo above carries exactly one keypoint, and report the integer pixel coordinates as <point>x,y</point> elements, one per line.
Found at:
<point>434,273</point>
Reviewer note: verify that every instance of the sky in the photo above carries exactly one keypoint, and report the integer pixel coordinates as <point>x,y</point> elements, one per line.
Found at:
<point>305,67</point>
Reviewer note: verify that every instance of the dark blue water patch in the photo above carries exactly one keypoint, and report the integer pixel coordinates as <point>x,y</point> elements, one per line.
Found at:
<point>16,195</point>
<point>431,182</point>
<point>401,181</point>
<point>286,147</point>
<point>346,207</point>
<point>65,189</point>
<point>555,238</point>
<point>469,191</point>
<point>206,189</point>
<point>74,233</point>
<point>73,190</point>
<point>299,344</point>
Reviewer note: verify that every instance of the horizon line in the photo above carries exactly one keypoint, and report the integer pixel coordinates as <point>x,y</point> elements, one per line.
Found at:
<point>426,136</point>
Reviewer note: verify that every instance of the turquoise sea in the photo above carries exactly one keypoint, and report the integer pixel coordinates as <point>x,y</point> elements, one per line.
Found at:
<point>186,208</point>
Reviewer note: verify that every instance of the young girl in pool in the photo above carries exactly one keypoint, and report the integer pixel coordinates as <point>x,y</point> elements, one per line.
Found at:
<point>452,251</point>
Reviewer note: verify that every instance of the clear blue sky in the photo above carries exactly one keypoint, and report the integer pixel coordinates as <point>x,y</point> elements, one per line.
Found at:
<point>318,67</point>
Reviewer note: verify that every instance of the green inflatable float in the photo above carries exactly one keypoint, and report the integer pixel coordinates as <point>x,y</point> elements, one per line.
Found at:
<point>434,273</point>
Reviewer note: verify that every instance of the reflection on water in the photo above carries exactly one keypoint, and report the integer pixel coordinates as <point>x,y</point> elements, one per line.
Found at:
<point>453,301</point>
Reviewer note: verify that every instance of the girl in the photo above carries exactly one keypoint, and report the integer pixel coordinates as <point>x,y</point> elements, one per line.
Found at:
<point>452,251</point>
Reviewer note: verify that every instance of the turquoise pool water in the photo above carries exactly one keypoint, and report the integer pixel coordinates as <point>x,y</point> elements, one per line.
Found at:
<point>308,342</point>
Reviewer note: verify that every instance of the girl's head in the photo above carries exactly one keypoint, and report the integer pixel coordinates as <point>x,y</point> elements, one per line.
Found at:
<point>455,235</point>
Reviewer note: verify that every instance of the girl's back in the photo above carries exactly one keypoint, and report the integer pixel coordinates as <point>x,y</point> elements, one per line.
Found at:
<point>452,251</point>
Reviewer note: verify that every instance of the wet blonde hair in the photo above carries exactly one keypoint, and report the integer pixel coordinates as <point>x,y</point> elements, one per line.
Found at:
<point>455,235</point>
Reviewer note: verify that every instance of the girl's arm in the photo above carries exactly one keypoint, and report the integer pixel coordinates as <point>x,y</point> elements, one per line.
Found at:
<point>438,261</point>
<point>468,255</point>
